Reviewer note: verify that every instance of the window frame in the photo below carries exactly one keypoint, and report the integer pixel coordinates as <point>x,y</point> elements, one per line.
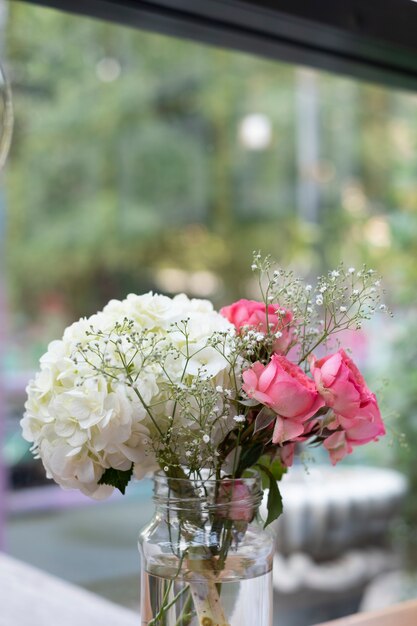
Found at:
<point>368,40</point>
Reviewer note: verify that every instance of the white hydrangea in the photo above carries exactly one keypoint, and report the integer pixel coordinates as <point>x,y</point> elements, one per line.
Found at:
<point>82,422</point>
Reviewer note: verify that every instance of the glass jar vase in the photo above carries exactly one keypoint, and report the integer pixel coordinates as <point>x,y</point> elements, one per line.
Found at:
<point>206,559</point>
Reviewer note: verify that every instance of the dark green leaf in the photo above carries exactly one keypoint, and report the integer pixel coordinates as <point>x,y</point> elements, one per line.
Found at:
<point>274,502</point>
<point>116,478</point>
<point>249,457</point>
<point>275,467</point>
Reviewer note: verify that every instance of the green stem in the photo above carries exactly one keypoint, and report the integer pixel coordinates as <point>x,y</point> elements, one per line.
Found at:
<point>227,541</point>
<point>323,337</point>
<point>137,392</point>
<point>165,608</point>
<point>186,614</point>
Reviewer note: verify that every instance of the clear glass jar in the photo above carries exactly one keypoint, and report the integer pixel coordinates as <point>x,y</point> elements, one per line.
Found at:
<point>206,559</point>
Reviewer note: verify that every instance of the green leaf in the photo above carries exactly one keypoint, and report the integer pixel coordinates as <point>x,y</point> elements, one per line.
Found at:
<point>274,502</point>
<point>250,402</point>
<point>116,478</point>
<point>274,465</point>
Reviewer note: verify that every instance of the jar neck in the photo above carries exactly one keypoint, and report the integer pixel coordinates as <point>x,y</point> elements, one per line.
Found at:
<point>234,499</point>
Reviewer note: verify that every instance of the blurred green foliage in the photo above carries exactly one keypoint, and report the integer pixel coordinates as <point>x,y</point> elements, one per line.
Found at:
<point>126,159</point>
<point>402,401</point>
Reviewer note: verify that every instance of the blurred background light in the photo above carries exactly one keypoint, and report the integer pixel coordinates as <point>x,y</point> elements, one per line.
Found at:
<point>108,69</point>
<point>377,232</point>
<point>255,131</point>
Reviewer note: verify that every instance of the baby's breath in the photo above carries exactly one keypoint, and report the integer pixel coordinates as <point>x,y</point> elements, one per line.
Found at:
<point>341,299</point>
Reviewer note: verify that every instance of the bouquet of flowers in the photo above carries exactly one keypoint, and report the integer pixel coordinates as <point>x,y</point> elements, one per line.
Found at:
<point>155,383</point>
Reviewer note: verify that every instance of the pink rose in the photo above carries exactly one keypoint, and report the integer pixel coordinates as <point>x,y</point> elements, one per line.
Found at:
<point>343,387</point>
<point>286,389</point>
<point>253,314</point>
<point>357,419</point>
<point>338,446</point>
<point>236,500</point>
<point>353,432</point>
<point>287,451</point>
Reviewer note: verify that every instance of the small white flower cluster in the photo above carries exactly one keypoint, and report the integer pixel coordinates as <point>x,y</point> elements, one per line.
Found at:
<point>89,407</point>
<point>347,296</point>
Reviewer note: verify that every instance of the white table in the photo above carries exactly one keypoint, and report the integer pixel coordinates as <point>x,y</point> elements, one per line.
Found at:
<point>30,597</point>
<point>404,614</point>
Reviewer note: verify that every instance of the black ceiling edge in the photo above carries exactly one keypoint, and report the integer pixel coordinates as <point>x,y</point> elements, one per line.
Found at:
<point>352,38</point>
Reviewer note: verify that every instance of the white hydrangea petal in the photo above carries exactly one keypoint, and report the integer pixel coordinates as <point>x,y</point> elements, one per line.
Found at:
<point>206,362</point>
<point>82,422</point>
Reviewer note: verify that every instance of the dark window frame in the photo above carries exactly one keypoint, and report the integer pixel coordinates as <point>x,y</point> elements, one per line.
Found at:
<point>367,39</point>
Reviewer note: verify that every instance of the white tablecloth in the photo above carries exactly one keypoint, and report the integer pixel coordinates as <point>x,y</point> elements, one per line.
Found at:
<point>30,597</point>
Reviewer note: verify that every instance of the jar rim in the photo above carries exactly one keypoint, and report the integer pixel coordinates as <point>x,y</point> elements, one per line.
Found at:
<point>208,495</point>
<point>251,475</point>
